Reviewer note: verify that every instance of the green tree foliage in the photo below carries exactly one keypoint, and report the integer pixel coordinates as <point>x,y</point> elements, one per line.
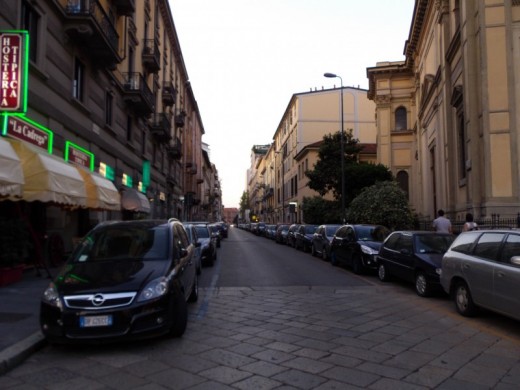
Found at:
<point>317,211</point>
<point>359,176</point>
<point>384,203</point>
<point>244,201</point>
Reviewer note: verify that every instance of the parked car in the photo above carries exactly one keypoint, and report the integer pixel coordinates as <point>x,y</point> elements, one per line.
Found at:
<point>194,239</point>
<point>414,256</point>
<point>303,237</point>
<point>280,236</point>
<point>208,242</point>
<point>321,240</point>
<point>216,233</point>
<point>260,229</point>
<point>270,231</point>
<point>357,246</point>
<point>291,238</point>
<point>482,269</point>
<point>124,280</point>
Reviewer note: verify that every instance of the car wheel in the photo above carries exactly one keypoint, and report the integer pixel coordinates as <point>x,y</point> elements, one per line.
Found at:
<point>357,265</point>
<point>463,300</point>
<point>194,295</point>
<point>179,313</point>
<point>422,287</point>
<point>382,273</point>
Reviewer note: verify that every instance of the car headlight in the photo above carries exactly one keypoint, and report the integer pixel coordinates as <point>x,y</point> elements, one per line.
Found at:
<point>154,289</point>
<point>368,251</point>
<point>51,296</point>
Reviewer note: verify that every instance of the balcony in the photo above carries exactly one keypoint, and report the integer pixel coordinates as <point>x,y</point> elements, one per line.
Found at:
<point>174,150</point>
<point>160,127</point>
<point>151,56</point>
<point>88,26</point>
<point>180,119</point>
<point>137,95</point>
<point>169,94</point>
<point>191,168</point>
<point>170,180</point>
<point>125,7</point>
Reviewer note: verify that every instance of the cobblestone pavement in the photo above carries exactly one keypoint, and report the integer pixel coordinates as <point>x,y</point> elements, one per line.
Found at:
<point>378,337</point>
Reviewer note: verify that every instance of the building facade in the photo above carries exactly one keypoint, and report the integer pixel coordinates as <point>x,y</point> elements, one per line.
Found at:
<point>447,116</point>
<point>108,78</point>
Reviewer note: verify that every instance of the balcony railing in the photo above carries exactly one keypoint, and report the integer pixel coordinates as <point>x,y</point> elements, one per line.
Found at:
<point>137,94</point>
<point>174,150</point>
<point>89,26</point>
<point>191,168</point>
<point>160,126</point>
<point>151,55</point>
<point>180,119</point>
<point>169,94</point>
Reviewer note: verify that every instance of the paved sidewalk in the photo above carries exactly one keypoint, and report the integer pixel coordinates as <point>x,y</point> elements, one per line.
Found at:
<point>19,323</point>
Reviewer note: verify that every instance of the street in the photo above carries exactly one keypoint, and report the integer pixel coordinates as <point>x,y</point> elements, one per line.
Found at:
<point>271,317</point>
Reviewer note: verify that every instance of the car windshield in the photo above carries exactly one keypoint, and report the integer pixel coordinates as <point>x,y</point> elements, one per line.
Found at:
<point>310,229</point>
<point>331,230</point>
<point>124,243</point>
<point>202,231</point>
<point>372,233</point>
<point>433,243</point>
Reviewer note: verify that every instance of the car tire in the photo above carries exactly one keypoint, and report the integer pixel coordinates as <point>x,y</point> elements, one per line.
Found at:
<point>194,295</point>
<point>422,286</point>
<point>179,313</point>
<point>463,300</point>
<point>382,273</point>
<point>357,265</point>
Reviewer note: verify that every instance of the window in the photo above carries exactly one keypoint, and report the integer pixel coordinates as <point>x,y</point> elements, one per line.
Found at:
<point>402,181</point>
<point>30,21</point>
<point>511,248</point>
<point>488,246</point>
<point>401,122</point>
<point>128,128</point>
<point>79,80</point>
<point>109,100</point>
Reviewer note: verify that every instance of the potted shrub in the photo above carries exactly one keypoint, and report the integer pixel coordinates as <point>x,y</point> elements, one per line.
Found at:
<point>14,243</point>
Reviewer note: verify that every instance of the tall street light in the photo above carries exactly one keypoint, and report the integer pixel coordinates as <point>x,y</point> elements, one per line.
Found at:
<point>342,142</point>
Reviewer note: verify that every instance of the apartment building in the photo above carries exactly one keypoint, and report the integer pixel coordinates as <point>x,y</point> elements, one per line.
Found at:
<point>107,83</point>
<point>447,116</point>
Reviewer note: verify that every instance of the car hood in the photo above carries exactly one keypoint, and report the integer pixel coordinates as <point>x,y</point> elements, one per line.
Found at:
<point>116,275</point>
<point>434,259</point>
<point>372,244</point>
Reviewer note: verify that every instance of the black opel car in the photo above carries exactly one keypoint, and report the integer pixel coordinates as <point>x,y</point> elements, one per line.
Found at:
<point>124,280</point>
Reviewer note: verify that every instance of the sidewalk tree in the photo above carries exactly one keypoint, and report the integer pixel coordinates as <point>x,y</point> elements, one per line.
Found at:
<point>319,211</point>
<point>385,204</point>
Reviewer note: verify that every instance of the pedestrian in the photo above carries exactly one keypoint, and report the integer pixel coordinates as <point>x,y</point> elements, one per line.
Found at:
<point>470,224</point>
<point>442,224</point>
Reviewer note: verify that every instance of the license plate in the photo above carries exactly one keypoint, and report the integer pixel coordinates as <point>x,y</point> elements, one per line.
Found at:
<point>93,321</point>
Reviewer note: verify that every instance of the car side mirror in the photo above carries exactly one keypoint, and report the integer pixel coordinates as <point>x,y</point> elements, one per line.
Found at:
<point>515,260</point>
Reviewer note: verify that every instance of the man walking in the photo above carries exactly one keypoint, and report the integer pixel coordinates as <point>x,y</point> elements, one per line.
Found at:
<point>442,224</point>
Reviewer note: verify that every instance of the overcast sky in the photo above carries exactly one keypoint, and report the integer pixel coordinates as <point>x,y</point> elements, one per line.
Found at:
<point>246,58</point>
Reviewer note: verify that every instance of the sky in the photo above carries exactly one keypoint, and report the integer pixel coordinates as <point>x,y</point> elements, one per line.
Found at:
<point>246,58</point>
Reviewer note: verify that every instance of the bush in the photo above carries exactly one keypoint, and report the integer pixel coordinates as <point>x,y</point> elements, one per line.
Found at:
<point>385,204</point>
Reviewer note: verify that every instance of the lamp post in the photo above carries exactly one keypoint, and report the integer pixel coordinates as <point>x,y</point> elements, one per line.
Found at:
<point>342,142</point>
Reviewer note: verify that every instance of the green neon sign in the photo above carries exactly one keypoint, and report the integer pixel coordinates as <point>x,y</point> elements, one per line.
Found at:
<point>20,127</point>
<point>78,155</point>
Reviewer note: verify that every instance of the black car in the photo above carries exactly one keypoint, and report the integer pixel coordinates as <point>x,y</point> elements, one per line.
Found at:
<point>303,237</point>
<point>194,239</point>
<point>208,244</point>
<point>357,246</point>
<point>280,236</point>
<point>124,280</point>
<point>321,240</point>
<point>291,235</point>
<point>414,256</point>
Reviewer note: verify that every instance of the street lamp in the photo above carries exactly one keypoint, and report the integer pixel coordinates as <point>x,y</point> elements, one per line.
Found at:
<point>342,142</point>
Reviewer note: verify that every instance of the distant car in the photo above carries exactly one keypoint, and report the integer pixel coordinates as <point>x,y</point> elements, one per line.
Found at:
<point>482,269</point>
<point>357,246</point>
<point>280,236</point>
<point>321,240</point>
<point>194,239</point>
<point>260,229</point>
<point>303,237</point>
<point>216,233</point>
<point>414,256</point>
<point>291,235</point>
<point>124,280</point>
<point>208,242</point>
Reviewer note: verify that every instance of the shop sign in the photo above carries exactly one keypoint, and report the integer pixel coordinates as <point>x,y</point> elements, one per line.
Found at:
<point>13,71</point>
<point>23,128</point>
<point>77,155</point>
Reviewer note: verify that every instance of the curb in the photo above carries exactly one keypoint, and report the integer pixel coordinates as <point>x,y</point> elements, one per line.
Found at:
<point>14,355</point>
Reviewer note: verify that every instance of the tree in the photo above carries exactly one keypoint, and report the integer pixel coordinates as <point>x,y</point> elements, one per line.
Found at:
<point>244,202</point>
<point>317,211</point>
<point>384,203</point>
<point>326,175</point>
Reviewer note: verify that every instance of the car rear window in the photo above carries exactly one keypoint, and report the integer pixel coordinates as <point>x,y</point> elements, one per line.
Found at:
<point>488,245</point>
<point>464,242</point>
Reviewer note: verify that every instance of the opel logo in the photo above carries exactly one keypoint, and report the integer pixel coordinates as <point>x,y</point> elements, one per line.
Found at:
<point>98,300</point>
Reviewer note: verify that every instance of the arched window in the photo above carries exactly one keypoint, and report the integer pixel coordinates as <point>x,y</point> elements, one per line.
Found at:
<point>402,181</point>
<point>401,122</point>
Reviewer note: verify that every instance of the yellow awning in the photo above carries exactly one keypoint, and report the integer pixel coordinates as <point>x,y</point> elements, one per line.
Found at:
<point>49,178</point>
<point>11,172</point>
<point>133,200</point>
<point>101,193</point>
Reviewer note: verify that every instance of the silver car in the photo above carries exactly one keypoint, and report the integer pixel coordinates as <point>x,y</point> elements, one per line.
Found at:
<point>482,269</point>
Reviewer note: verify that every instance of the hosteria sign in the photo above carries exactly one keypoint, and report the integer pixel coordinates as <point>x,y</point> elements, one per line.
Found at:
<point>13,71</point>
